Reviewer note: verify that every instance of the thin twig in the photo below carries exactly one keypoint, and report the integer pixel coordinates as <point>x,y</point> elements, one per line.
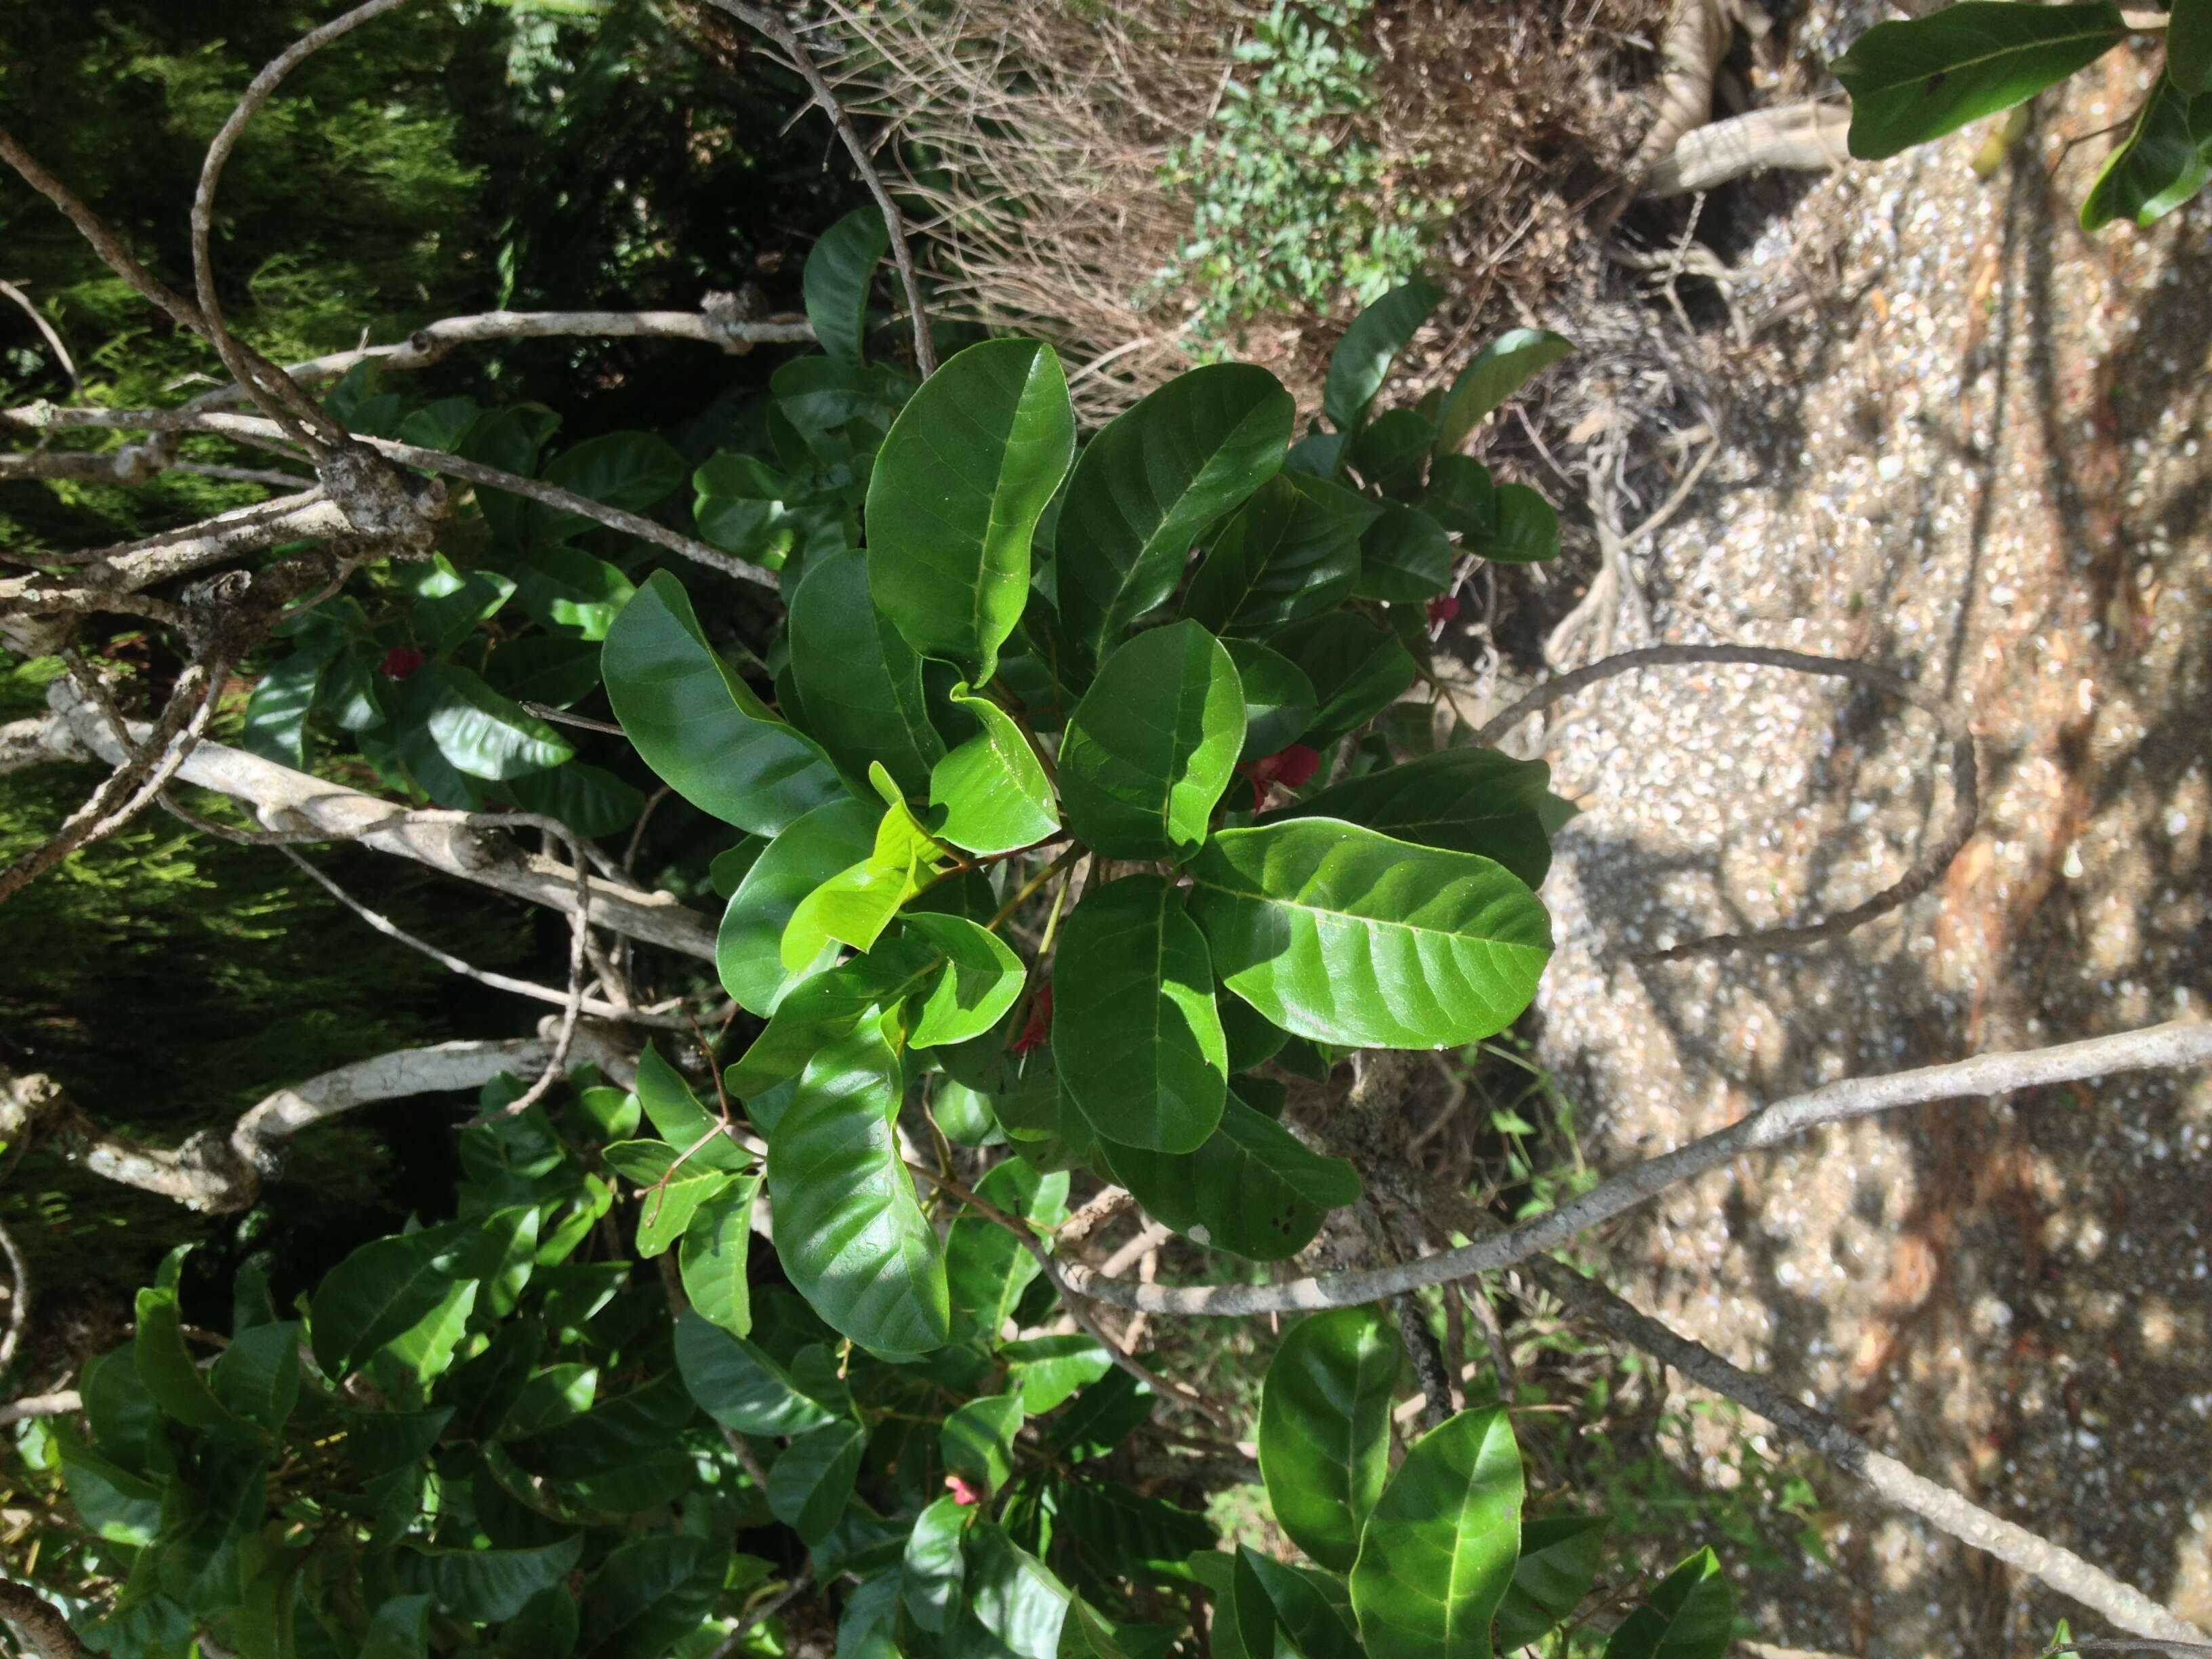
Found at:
<point>19,1298</point>
<point>728,1646</point>
<point>47,332</point>
<point>60,1403</point>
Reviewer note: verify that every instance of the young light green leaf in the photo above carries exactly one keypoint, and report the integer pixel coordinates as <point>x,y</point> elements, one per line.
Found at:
<point>849,1227</point>
<point>1134,1029</point>
<point>1437,1553</point>
<point>823,1008</point>
<point>697,725</point>
<point>1358,670</point>
<point>992,790</point>
<point>855,905</point>
<point>1463,800</point>
<point>1046,1369</point>
<point>1925,76</point>
<point>1559,1562</point>
<point>977,979</point>
<point>953,501</point>
<point>1325,1429</point>
<point>841,268</point>
<point>1280,700</point>
<point>1690,1615</point>
<point>1404,558</point>
<point>933,1572</point>
<point>1148,485</point>
<point>2166,160</point>
<point>748,950</point>
<point>1362,360</point>
<point>1253,1188</point>
<point>669,1193</point>
<point>1340,934</point>
<point>479,731</point>
<point>1499,370</point>
<point>1151,746</point>
<point>711,1260</point>
<point>810,1483</point>
<point>859,681</point>
<point>1292,551</point>
<point>977,1440</point>
<point>739,1385</point>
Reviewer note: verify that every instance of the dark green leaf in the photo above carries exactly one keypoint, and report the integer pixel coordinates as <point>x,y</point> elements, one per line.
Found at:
<point>993,791</point>
<point>1101,1416</point>
<point>563,587</point>
<point>739,1385</point>
<point>698,725</point>
<point>545,1629</point>
<point>2188,46</point>
<point>257,1376</point>
<point>165,1367</point>
<point>479,731</point>
<point>841,267</point>
<point>741,507</point>
<point>933,1572</point>
<point>1463,800</point>
<point>1151,747</point>
<point>1558,1561</point>
<point>1390,454</point>
<point>1340,934</point>
<point>543,668</point>
<point>590,800</point>
<point>985,1264</point>
<point>648,1595</point>
<point>868,1627</point>
<point>448,605</point>
<point>1923,77</point>
<point>1013,1595</point>
<point>632,471</point>
<point>1690,1615</point>
<point>613,1434</point>
<point>1292,551</point>
<point>400,1629</point>
<point>275,726</point>
<point>712,1258</point>
<point>1253,1188</point>
<point>977,1440</point>
<point>860,682</point>
<point>1358,670</point>
<point>485,1587</point>
<point>1148,485</point>
<point>387,1287</point>
<point>954,499</point>
<point>1437,1553</point>
<point>1404,558</point>
<point>1499,370</point>
<point>484,1390</point>
<point>1280,701</point>
<point>2166,160</point>
<point>1134,1032</point>
<point>1325,1429</point>
<point>1312,1609</point>
<point>1524,528</point>
<point>1462,498</point>
<point>1362,360</point>
<point>810,1483</point>
<point>748,949</point>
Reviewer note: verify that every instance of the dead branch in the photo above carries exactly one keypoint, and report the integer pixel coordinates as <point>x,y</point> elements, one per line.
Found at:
<point>113,573</point>
<point>42,1630</point>
<point>1696,42</point>
<point>1965,771</point>
<point>19,1298</point>
<point>1798,137</point>
<point>47,332</point>
<point>60,1404</point>
<point>2178,1044</point>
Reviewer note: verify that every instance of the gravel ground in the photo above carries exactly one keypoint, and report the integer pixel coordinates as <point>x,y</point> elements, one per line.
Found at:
<point>1978,457</point>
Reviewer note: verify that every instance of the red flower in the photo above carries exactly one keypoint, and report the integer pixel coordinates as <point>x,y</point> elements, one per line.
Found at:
<point>400,661</point>
<point>963,1493</point>
<point>1443,608</point>
<point>1036,1031</point>
<point>1292,768</point>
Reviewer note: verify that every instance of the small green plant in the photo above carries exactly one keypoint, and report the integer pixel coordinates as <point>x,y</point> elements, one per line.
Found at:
<point>1292,208</point>
<point>1916,80</point>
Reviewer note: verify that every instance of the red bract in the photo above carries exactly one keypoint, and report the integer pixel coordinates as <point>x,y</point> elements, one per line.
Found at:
<point>963,1493</point>
<point>400,661</point>
<point>1443,608</point>
<point>1291,768</point>
<point>1036,1031</point>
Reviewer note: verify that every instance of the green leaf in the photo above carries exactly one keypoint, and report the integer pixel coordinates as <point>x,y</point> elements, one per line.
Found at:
<point>1524,528</point>
<point>933,1574</point>
<point>841,268</point>
<point>985,1264</point>
<point>1292,551</point>
<point>633,470</point>
<point>479,731</point>
<point>1499,370</point>
<point>859,681</point>
<point>698,725</point>
<point>993,789</point>
<point>114,1503</point>
<point>817,395</point>
<point>449,606</point>
<point>1325,1429</point>
<point>958,485</point>
<point>257,1377</point>
<point>1358,670</point>
<point>827,1006</point>
<point>1559,1562</point>
<point>741,506</point>
<point>484,1390</point>
<point>712,1258</point>
<point>810,1483</point>
<point>669,1192</point>
<point>275,726</point>
<point>1462,498</point>
<point>856,904</point>
<point>562,588</point>
<point>1437,1553</point>
<point>868,1626</point>
<point>850,1230</point>
<point>2188,46</point>
<point>1463,800</point>
<point>1310,1608</point>
<point>545,1629</point>
<point>1253,1188</point>
<point>1243,1616</point>
<point>1280,700</point>
<point>1340,934</point>
<point>748,950</point>
<point>1390,454</point>
<point>1921,78</point>
<point>1130,1536</point>
<point>977,1439</point>
<point>1152,745</point>
<point>1690,1615</point>
<point>400,1629</point>
<point>543,668</point>
<point>1134,1029</point>
<point>681,1122</point>
<point>649,1594</point>
<point>1013,1595</point>
<point>485,1587</point>
<point>1148,485</point>
<point>590,800</point>
<point>977,980</point>
<point>386,1287</point>
<point>1047,1370</point>
<point>1404,558</point>
<point>741,1386</point>
<point>2166,160</point>
<point>1362,360</point>
<point>165,1367</point>
<point>614,1434</point>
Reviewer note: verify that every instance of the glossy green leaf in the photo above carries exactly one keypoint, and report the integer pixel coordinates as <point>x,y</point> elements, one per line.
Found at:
<point>1558,1563</point>
<point>977,1440</point>
<point>711,1260</point>
<point>2165,159</point>
<point>855,905</point>
<point>1689,1615</point>
<point>849,1227</point>
<point>632,471</point>
<point>1134,1029</point>
<point>827,1006</point>
<point>1362,360</point>
<point>1920,78</point>
<point>448,605</point>
<point>1045,1371</point>
<point>1498,371</point>
<point>648,1595</point>
<point>669,1192</point>
<point>1463,800</point>
<point>1280,700</point>
<point>1405,558</point>
<point>1461,497</point>
<point>484,1586</point>
<point>1149,484</point>
<point>812,1481</point>
<point>993,789</point>
<point>257,1375</point>
<point>977,979</point>
<point>589,800</point>
<point>1151,746</point>
<point>1358,670</point>
<point>1324,1432</point>
<point>565,587</point>
<point>679,1118</point>
<point>955,497</point>
<point>985,1264</point>
<point>933,1570</point>
<point>2188,46</point>
<point>698,725</point>
<point>479,731</point>
<point>1437,1553</point>
<point>1253,1188</point>
<point>387,1287</point>
<point>1391,454</point>
<point>165,1367</point>
<point>1345,936</point>
<point>275,726</point>
<point>739,1385</point>
<point>841,269</point>
<point>1312,1609</point>
<point>743,507</point>
<point>859,680</point>
<point>1013,1595</point>
<point>1524,528</point>
<point>1292,551</point>
<point>614,1434</point>
<point>748,949</point>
